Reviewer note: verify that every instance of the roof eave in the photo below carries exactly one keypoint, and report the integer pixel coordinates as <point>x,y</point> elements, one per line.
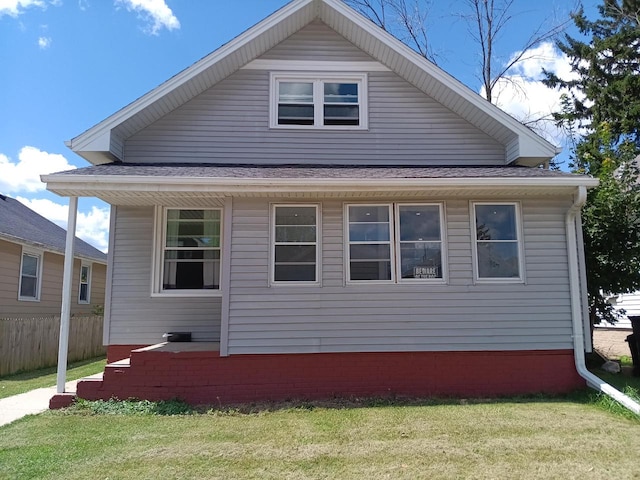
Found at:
<point>62,182</point>
<point>48,248</point>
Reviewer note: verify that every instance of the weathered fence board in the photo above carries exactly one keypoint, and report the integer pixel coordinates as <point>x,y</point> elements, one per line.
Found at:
<point>32,343</point>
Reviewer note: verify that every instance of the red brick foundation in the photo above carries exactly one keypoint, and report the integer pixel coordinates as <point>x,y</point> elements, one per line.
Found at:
<point>61,400</point>
<point>205,377</point>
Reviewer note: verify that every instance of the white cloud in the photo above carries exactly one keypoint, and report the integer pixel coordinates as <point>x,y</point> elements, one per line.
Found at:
<point>44,42</point>
<point>92,226</point>
<point>522,94</point>
<point>156,12</point>
<point>13,8</point>
<point>24,175</point>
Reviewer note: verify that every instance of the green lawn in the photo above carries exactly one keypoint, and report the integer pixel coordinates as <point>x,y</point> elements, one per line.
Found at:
<point>46,377</point>
<point>524,439</point>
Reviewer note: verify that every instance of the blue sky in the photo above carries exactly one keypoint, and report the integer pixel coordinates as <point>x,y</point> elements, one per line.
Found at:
<point>68,64</point>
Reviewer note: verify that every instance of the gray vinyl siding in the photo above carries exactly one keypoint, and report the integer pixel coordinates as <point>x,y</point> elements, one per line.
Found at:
<point>317,43</point>
<point>229,123</point>
<point>135,316</point>
<point>459,316</point>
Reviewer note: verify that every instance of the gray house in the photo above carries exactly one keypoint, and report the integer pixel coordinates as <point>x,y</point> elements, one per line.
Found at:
<point>31,264</point>
<point>328,213</point>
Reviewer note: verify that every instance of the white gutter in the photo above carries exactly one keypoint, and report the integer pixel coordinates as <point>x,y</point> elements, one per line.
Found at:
<point>576,309</point>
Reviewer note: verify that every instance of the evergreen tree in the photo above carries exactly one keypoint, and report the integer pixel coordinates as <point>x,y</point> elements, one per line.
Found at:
<point>602,111</point>
<point>607,87</point>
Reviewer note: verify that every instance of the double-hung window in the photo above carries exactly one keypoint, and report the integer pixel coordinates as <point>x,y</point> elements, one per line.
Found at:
<point>318,101</point>
<point>30,276</point>
<point>190,250</point>
<point>420,241</point>
<point>370,243</point>
<point>497,241</point>
<point>394,243</point>
<point>295,243</point>
<point>85,284</point>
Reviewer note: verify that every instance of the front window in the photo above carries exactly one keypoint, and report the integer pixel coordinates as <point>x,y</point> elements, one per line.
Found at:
<point>300,101</point>
<point>395,242</point>
<point>85,284</point>
<point>191,250</point>
<point>420,241</point>
<point>370,243</point>
<point>30,276</point>
<point>295,243</point>
<point>497,241</point>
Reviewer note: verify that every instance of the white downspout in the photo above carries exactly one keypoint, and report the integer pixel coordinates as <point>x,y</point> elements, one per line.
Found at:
<point>67,280</point>
<point>576,309</point>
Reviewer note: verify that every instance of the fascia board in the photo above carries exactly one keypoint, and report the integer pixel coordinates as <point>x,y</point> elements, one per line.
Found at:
<point>201,184</point>
<point>46,248</point>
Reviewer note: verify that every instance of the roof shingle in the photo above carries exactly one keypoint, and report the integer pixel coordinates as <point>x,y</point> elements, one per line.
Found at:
<point>21,223</point>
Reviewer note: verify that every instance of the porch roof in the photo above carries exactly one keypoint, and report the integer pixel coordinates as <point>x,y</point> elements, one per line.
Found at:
<point>169,184</point>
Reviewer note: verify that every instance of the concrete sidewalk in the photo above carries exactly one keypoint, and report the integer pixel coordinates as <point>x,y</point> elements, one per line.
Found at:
<point>29,403</point>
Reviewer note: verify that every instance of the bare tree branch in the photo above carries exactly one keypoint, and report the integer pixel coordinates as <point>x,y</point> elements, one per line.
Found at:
<point>486,21</point>
<point>374,10</point>
<point>406,19</point>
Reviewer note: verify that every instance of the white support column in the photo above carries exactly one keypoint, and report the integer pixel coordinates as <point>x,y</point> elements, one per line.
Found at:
<point>67,280</point>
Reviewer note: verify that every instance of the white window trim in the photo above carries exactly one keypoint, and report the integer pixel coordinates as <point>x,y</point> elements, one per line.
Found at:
<point>158,256</point>
<point>520,240</point>
<point>318,78</point>
<point>272,245</point>
<point>90,272</point>
<point>347,244</point>
<point>35,253</point>
<point>443,243</point>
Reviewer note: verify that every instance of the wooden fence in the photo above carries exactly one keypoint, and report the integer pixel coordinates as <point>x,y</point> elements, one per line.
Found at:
<point>32,343</point>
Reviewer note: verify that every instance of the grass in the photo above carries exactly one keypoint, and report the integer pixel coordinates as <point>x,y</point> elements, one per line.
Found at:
<point>46,377</point>
<point>517,438</point>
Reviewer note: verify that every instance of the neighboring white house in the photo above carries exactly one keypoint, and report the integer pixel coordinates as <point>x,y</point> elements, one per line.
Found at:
<point>630,303</point>
<point>328,213</point>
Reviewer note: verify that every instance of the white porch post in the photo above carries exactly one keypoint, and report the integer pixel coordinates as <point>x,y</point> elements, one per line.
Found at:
<point>67,280</point>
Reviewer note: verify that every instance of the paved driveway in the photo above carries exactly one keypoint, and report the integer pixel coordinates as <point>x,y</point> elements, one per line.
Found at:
<point>610,342</point>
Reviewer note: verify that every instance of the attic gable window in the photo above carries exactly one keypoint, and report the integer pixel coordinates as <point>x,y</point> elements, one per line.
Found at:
<point>318,101</point>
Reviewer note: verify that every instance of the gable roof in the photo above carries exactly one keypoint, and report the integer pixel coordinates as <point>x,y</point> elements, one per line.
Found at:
<point>19,223</point>
<point>104,142</point>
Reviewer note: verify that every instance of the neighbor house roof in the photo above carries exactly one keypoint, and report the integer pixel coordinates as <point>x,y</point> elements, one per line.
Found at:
<point>104,142</point>
<point>20,224</point>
